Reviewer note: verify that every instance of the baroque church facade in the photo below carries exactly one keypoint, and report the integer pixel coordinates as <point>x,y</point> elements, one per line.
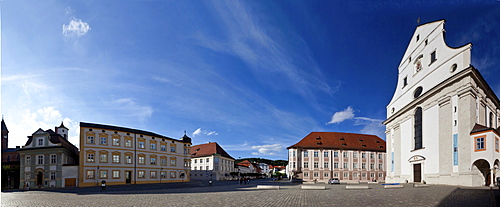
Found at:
<point>443,121</point>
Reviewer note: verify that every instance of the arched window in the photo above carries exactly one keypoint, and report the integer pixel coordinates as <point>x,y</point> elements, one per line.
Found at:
<point>491,120</point>
<point>418,128</point>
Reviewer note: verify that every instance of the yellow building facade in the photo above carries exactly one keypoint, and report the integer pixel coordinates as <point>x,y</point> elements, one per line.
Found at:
<point>119,155</point>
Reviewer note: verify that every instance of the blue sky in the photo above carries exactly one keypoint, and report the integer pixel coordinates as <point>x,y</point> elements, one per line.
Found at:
<point>254,76</point>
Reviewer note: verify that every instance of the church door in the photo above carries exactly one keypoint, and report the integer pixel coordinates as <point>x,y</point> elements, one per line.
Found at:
<point>39,178</point>
<point>417,173</point>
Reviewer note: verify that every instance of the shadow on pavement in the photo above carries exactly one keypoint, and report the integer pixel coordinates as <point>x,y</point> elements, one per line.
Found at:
<point>472,197</point>
<point>164,188</point>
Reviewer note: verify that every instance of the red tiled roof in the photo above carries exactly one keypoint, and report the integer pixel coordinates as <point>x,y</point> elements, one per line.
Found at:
<point>340,140</point>
<point>208,149</point>
<point>245,163</point>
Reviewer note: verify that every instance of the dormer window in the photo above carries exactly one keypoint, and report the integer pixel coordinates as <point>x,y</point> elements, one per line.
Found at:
<point>318,138</point>
<point>40,142</point>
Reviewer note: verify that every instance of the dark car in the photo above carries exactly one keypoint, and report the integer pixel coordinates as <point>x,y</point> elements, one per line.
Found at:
<point>334,181</point>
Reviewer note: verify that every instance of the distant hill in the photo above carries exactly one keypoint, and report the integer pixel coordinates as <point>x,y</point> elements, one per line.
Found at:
<point>267,161</point>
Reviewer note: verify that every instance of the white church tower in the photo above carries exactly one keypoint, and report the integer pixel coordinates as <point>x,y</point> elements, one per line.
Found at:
<point>443,121</point>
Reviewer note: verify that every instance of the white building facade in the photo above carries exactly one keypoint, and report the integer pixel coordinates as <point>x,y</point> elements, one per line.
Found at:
<point>443,120</point>
<point>211,162</point>
<point>349,157</point>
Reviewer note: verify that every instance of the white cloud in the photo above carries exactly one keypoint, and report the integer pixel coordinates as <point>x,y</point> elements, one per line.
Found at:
<point>76,27</point>
<point>45,118</point>
<point>341,116</point>
<point>271,149</point>
<point>199,131</point>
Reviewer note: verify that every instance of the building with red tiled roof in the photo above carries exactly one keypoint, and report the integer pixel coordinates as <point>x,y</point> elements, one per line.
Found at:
<point>210,161</point>
<point>349,157</point>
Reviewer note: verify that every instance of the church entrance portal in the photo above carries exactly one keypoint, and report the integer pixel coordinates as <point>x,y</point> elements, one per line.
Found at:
<point>417,173</point>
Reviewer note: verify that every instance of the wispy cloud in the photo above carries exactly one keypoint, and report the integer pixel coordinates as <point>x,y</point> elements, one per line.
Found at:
<point>341,116</point>
<point>128,107</point>
<point>262,47</point>
<point>272,149</point>
<point>370,125</point>
<point>76,27</point>
<point>199,131</point>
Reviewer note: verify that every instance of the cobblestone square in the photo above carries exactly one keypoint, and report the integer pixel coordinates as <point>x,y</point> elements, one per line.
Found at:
<point>230,193</point>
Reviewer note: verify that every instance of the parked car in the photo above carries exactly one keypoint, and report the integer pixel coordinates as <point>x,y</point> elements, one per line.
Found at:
<point>334,181</point>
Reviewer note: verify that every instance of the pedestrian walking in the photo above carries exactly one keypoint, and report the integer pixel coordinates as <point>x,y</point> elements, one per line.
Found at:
<point>210,183</point>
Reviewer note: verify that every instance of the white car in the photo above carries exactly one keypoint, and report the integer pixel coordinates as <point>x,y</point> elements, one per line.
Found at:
<point>334,181</point>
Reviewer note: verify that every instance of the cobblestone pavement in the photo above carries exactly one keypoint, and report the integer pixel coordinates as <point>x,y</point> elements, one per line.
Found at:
<point>230,193</point>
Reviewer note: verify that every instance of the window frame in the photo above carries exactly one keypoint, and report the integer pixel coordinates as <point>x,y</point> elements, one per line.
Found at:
<point>480,140</point>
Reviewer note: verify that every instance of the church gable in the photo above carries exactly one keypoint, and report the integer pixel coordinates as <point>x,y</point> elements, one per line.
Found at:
<point>428,61</point>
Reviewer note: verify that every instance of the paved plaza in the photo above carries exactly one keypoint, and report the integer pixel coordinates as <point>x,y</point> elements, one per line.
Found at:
<point>230,193</point>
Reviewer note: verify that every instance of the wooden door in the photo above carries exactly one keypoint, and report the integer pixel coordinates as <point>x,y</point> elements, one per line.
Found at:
<point>417,173</point>
<point>70,182</point>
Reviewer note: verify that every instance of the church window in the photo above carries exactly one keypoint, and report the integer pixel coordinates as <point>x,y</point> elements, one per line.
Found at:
<point>405,81</point>
<point>455,149</point>
<point>453,68</point>
<point>418,92</point>
<point>496,144</point>
<point>480,144</point>
<point>433,57</point>
<point>491,120</point>
<point>418,128</point>
<point>418,37</point>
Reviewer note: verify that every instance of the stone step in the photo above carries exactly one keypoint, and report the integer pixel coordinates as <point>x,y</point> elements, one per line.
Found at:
<point>356,187</point>
<point>273,187</point>
<point>312,187</point>
<point>393,186</point>
<point>418,185</point>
